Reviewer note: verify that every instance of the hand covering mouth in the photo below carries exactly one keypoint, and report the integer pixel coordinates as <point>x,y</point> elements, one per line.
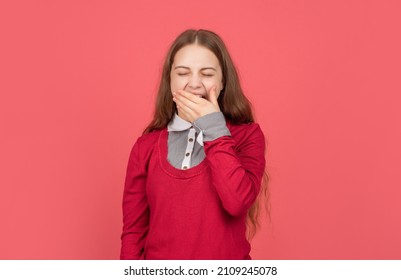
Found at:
<point>199,95</point>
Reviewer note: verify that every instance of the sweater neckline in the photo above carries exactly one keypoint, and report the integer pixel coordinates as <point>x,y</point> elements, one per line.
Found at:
<point>170,169</point>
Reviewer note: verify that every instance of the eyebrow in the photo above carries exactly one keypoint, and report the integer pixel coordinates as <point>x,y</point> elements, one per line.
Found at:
<point>204,68</point>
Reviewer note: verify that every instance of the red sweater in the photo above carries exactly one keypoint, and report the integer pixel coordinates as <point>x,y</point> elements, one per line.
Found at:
<point>198,213</point>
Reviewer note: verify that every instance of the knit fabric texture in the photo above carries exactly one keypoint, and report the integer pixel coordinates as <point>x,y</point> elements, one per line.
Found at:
<point>198,213</point>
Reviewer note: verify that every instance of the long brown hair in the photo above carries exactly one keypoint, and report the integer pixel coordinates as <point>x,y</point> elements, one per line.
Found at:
<point>232,101</point>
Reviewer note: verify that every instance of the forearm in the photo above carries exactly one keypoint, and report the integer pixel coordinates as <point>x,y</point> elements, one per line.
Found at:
<point>237,171</point>
<point>237,185</point>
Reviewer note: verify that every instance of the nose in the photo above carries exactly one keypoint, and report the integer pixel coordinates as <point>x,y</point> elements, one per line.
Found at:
<point>194,82</point>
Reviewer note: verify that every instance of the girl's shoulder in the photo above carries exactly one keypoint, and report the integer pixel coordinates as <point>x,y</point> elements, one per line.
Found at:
<point>246,134</point>
<point>150,136</point>
<point>146,142</point>
<point>244,130</point>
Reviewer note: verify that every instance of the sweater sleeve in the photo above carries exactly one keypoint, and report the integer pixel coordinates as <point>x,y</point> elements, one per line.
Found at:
<point>237,168</point>
<point>212,125</point>
<point>135,207</point>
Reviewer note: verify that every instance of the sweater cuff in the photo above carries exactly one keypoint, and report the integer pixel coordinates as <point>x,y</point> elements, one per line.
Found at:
<point>212,126</point>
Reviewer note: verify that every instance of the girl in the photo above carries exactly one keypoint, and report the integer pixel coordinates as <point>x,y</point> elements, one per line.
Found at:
<point>194,175</point>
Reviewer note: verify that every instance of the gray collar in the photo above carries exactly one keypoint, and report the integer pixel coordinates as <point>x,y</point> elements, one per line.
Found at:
<point>179,124</point>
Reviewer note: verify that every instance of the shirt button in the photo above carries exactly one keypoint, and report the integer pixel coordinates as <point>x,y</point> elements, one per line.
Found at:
<point>187,154</point>
<point>190,139</point>
<point>185,167</point>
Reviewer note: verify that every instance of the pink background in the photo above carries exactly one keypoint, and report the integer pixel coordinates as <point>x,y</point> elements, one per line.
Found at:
<point>78,82</point>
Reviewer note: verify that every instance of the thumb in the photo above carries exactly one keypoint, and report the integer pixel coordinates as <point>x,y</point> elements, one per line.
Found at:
<point>213,95</point>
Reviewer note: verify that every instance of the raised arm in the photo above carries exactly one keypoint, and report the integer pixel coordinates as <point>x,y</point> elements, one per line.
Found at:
<point>237,164</point>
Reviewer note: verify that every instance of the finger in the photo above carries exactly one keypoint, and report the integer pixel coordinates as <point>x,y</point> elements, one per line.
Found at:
<point>187,113</point>
<point>212,96</point>
<point>181,100</point>
<point>191,97</point>
<point>183,103</point>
